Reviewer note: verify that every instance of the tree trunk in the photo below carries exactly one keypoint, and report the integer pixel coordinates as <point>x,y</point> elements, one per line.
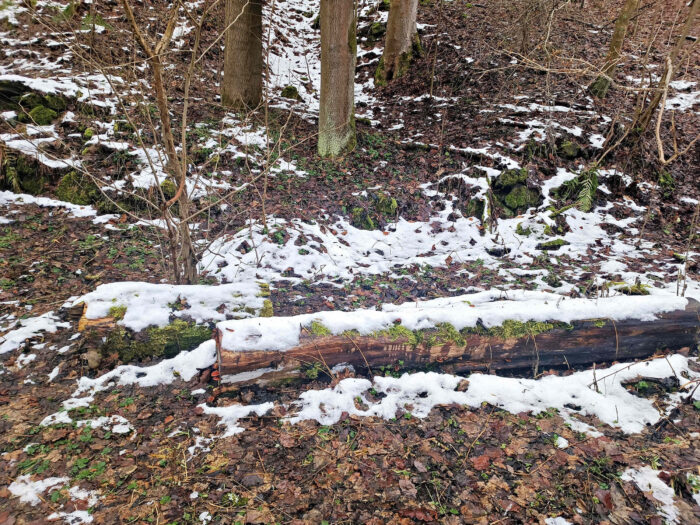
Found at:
<point>243,60</point>
<point>401,41</point>
<point>600,87</point>
<point>338,56</point>
<point>649,111</point>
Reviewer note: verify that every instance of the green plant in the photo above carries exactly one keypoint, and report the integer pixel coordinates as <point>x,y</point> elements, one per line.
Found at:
<point>588,184</point>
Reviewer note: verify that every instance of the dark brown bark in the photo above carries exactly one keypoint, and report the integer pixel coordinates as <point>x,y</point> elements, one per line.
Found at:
<point>401,41</point>
<point>592,341</point>
<point>338,57</point>
<point>243,59</point>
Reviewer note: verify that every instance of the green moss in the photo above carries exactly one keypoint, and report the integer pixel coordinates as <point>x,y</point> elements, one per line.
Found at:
<point>514,329</point>
<point>475,208</point>
<point>169,189</point>
<point>380,73</point>
<point>552,245</point>
<point>31,100</point>
<point>117,312</point>
<point>447,333</point>
<point>319,329</point>
<point>165,341</point>
<point>520,198</point>
<point>666,182</point>
<point>55,102</point>
<point>88,133</point>
<point>264,289</point>
<point>569,149</point>
<point>377,30</point>
<point>267,309</point>
<point>42,116</point>
<point>399,331</point>
<point>509,178</point>
<point>77,188</point>
<point>600,323</point>
<point>522,231</point>
<point>386,204</point>
<point>635,289</point>
<point>361,219</point>
<point>291,92</point>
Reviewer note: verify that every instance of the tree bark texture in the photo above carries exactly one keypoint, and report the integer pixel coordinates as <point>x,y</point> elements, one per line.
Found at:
<point>338,57</point>
<point>600,87</point>
<point>243,59</point>
<point>588,342</point>
<point>401,41</point>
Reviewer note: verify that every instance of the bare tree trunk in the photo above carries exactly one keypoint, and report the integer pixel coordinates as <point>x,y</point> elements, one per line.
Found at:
<point>401,41</point>
<point>648,113</point>
<point>243,59</point>
<point>338,56</point>
<point>600,87</point>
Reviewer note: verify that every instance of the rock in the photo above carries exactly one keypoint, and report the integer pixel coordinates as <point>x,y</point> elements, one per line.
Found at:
<point>93,358</point>
<point>509,178</point>
<point>521,198</point>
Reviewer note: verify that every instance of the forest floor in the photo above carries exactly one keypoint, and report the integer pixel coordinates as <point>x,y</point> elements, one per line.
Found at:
<point>420,210</point>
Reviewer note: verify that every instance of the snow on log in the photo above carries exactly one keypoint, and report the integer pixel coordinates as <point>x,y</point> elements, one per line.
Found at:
<point>530,331</point>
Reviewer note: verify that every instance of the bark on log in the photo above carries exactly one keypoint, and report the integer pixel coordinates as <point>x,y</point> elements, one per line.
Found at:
<point>590,341</point>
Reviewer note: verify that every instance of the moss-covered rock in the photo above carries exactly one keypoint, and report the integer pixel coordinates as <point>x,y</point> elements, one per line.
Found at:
<point>520,198</point>
<point>55,102</point>
<point>509,178</point>
<point>31,100</point>
<point>42,115</point>
<point>291,92</point>
<point>552,245</point>
<point>521,230</point>
<point>77,188</point>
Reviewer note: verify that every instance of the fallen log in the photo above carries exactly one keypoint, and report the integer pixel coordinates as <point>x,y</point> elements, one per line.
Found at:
<point>531,347</point>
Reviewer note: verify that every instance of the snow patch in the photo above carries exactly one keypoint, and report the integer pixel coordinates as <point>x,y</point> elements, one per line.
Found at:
<point>29,491</point>
<point>647,479</point>
<point>30,328</point>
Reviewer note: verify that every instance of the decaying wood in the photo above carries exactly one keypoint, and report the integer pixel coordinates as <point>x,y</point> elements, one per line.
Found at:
<point>590,341</point>
<point>78,311</point>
